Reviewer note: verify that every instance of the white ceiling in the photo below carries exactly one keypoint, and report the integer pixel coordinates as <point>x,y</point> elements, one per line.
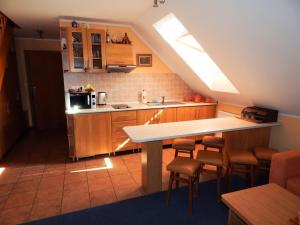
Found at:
<point>256,43</point>
<point>31,15</point>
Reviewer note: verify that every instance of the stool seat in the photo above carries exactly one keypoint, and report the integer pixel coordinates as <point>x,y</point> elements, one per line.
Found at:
<point>210,157</point>
<point>213,141</point>
<point>242,157</point>
<point>184,166</point>
<point>264,153</point>
<point>184,144</point>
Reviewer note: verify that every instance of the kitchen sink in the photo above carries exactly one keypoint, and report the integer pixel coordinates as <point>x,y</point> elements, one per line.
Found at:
<point>165,103</point>
<point>120,106</point>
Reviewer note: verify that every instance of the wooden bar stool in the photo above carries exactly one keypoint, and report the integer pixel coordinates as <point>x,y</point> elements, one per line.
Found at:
<point>264,156</point>
<point>215,159</point>
<point>213,142</point>
<point>182,145</point>
<point>241,161</point>
<point>189,168</point>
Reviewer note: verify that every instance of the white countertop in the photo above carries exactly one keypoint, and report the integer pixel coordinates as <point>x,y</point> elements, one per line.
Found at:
<point>133,106</point>
<point>156,132</point>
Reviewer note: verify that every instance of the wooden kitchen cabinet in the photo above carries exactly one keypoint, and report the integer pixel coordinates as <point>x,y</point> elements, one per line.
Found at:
<point>119,54</point>
<point>86,49</point>
<point>120,140</point>
<point>186,113</point>
<point>167,115</point>
<point>89,134</point>
<point>147,116</point>
<point>96,50</point>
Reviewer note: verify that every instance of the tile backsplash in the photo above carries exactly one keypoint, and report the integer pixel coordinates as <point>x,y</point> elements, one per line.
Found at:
<point>122,87</point>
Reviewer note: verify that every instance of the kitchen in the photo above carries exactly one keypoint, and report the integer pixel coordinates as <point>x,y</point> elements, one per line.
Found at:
<point>149,112</point>
<point>147,95</point>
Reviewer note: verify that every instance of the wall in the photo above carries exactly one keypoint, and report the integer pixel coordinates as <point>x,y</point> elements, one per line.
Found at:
<point>283,137</point>
<point>23,44</point>
<point>125,87</point>
<point>157,80</point>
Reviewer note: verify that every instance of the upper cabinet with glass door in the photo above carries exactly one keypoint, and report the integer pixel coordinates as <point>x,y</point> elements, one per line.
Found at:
<point>96,50</point>
<point>77,46</point>
<point>86,50</point>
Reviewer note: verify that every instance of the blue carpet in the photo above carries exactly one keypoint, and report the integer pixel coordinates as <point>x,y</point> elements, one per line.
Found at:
<point>152,209</point>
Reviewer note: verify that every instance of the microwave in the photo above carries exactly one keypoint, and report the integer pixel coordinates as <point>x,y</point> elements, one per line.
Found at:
<point>81,100</point>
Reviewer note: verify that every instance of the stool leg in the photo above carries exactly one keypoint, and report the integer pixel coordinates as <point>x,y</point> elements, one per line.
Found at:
<point>252,175</point>
<point>197,183</point>
<point>177,175</point>
<point>219,174</point>
<point>176,153</point>
<point>190,194</point>
<point>191,155</point>
<point>170,187</point>
<point>229,177</point>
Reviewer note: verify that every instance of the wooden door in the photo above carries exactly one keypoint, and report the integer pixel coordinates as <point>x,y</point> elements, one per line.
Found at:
<point>45,76</point>
<point>147,116</point>
<point>96,50</point>
<point>77,45</point>
<point>92,134</point>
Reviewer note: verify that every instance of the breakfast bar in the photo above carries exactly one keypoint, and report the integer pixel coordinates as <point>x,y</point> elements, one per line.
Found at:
<point>237,133</point>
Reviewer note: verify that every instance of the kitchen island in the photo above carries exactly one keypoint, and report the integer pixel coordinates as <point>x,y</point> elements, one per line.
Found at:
<point>238,133</point>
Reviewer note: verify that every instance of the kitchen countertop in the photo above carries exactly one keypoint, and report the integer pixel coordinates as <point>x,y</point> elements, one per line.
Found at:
<point>157,132</point>
<point>133,106</point>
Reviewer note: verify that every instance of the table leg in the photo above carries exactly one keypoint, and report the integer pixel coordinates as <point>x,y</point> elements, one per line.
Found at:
<point>152,166</point>
<point>234,219</point>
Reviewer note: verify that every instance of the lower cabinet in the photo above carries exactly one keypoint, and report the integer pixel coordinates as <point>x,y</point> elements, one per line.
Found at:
<point>100,133</point>
<point>120,140</point>
<point>89,134</point>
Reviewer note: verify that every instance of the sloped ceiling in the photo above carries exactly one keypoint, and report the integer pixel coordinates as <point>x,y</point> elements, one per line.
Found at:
<point>256,43</point>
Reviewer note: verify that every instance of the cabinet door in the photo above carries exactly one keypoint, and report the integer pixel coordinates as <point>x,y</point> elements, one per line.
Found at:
<point>205,112</point>
<point>147,116</point>
<point>96,50</point>
<point>92,134</point>
<point>77,46</point>
<point>167,115</point>
<point>186,113</point>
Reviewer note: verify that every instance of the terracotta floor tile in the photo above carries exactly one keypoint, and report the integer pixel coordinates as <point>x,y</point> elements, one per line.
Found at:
<point>100,184</point>
<point>96,174</point>
<point>5,189</point>
<point>130,191</point>
<point>52,181</point>
<point>72,189</point>
<point>53,172</point>
<point>45,209</point>
<point>20,199</point>
<point>102,197</point>
<point>122,180</point>
<point>133,166</point>
<point>10,179</point>
<point>15,216</point>
<point>118,170</point>
<point>75,177</point>
<point>26,186</point>
<point>74,203</point>
<point>47,194</point>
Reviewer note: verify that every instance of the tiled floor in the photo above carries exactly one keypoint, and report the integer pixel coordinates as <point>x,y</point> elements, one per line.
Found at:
<point>38,180</point>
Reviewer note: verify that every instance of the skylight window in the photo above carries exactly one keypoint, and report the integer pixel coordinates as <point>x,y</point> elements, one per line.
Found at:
<point>189,49</point>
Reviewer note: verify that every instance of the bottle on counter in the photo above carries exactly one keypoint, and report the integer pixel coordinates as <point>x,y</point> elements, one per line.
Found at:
<point>144,96</point>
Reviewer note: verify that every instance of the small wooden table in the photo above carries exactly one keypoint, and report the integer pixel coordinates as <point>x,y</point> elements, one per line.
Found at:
<point>263,205</point>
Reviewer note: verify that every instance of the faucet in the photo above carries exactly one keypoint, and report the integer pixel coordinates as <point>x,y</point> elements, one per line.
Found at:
<point>163,99</point>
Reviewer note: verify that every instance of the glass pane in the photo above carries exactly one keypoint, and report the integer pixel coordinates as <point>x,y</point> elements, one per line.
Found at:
<point>77,37</point>
<point>77,50</point>
<point>96,38</point>
<point>97,63</point>
<point>78,63</point>
<point>96,51</point>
